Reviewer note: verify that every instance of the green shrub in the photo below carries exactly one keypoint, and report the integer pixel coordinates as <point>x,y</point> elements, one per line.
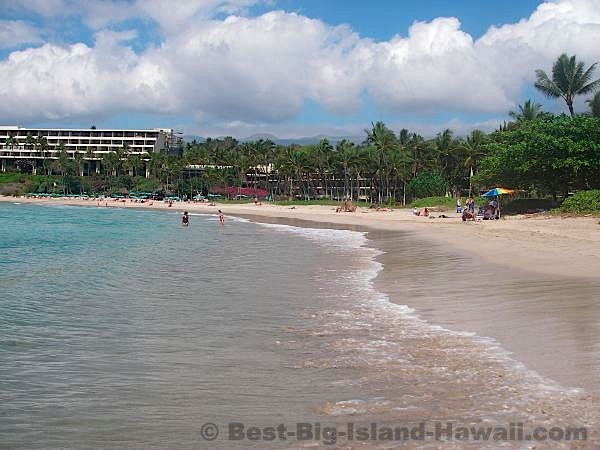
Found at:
<point>582,202</point>
<point>426,184</point>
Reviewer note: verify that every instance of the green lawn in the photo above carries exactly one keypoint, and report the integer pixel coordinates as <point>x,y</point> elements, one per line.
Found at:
<point>446,202</point>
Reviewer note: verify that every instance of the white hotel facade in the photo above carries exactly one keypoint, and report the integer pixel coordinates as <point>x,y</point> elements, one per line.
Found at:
<point>28,146</point>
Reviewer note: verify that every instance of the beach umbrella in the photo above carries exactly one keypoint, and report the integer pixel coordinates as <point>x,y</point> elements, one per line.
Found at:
<point>497,192</point>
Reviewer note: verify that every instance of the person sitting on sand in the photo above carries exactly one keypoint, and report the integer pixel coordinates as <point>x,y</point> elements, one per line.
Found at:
<point>426,212</point>
<point>466,215</point>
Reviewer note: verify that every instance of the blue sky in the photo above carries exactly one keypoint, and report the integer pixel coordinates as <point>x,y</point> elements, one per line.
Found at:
<point>286,67</point>
<point>383,19</point>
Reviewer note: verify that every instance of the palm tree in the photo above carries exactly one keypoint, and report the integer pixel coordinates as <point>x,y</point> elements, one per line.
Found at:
<point>322,159</point>
<point>11,141</point>
<point>30,141</point>
<point>569,79</point>
<point>132,163</point>
<point>41,143</point>
<point>61,148</point>
<point>527,111</point>
<point>89,154</point>
<point>154,163</point>
<point>448,159</point>
<point>346,152</point>
<point>474,148</point>
<point>594,103</point>
<point>110,161</point>
<point>384,140</point>
<point>63,165</point>
<point>78,158</point>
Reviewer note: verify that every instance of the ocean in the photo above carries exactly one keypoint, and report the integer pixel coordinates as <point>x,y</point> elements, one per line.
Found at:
<point>122,329</point>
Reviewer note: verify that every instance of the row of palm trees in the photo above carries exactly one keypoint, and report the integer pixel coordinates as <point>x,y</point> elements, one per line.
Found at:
<point>379,168</point>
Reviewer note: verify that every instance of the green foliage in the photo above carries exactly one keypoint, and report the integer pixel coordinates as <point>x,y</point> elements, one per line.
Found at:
<point>527,111</point>
<point>552,155</point>
<point>594,104</point>
<point>582,202</point>
<point>441,201</point>
<point>146,184</point>
<point>427,184</point>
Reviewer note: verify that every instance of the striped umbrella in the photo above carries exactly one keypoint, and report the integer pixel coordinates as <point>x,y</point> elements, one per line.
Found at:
<point>497,192</point>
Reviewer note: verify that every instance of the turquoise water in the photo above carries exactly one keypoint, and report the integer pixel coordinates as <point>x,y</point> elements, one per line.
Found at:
<point>121,329</point>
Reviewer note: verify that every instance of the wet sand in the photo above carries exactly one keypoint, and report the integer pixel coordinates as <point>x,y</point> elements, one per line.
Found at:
<point>551,324</point>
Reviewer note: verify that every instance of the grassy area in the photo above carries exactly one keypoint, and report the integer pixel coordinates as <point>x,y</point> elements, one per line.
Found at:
<point>231,201</point>
<point>435,202</point>
<point>14,177</point>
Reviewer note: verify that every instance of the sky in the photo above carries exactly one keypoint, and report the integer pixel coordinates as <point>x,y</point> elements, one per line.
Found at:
<point>291,68</point>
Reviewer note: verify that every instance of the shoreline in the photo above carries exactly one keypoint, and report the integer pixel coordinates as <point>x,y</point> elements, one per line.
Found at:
<point>398,234</point>
<point>556,246</point>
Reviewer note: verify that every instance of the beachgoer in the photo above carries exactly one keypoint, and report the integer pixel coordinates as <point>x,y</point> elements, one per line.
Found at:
<point>255,200</point>
<point>221,218</point>
<point>458,206</point>
<point>185,220</point>
<point>471,205</point>
<point>415,211</point>
<point>426,212</point>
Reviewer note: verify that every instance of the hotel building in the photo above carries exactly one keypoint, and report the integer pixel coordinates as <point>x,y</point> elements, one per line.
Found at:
<point>26,146</point>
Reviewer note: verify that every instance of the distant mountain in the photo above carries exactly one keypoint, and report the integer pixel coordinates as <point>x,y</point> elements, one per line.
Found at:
<point>285,141</point>
<point>190,138</point>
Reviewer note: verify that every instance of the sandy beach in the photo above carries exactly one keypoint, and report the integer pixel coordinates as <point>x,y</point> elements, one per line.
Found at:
<point>560,246</point>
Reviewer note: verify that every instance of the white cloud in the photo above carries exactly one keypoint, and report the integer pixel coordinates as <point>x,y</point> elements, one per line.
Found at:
<point>171,16</point>
<point>261,70</point>
<point>16,32</point>
<point>436,66</point>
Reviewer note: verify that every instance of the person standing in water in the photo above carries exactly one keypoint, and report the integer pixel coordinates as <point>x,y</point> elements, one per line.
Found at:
<point>221,218</point>
<point>185,219</point>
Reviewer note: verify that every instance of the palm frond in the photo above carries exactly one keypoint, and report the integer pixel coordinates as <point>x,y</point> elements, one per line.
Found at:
<point>546,86</point>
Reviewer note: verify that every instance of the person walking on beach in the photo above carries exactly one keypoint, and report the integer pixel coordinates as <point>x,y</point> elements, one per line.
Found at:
<point>221,218</point>
<point>185,219</point>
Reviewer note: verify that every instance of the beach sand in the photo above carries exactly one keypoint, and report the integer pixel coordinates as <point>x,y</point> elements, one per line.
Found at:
<point>529,283</point>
